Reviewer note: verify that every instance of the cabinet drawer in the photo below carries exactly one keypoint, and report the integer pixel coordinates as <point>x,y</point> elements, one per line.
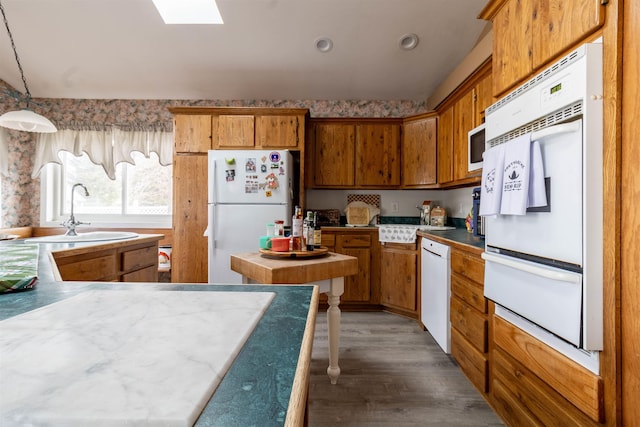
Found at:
<point>138,258</point>
<point>467,265</point>
<point>574,382</point>
<point>526,400</point>
<point>354,241</point>
<point>99,268</point>
<point>328,240</point>
<point>149,274</point>
<point>472,362</point>
<point>469,292</point>
<point>470,323</point>
<point>401,246</point>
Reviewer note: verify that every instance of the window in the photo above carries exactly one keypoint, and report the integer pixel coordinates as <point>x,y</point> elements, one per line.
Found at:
<point>140,196</point>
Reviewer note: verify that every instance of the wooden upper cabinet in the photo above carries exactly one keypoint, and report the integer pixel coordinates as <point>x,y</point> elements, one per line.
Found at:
<point>483,98</point>
<point>462,111</point>
<point>445,146</point>
<point>559,24</point>
<point>233,131</point>
<point>419,156</point>
<point>378,154</point>
<point>512,44</point>
<point>277,131</point>
<point>462,123</point>
<point>334,159</point>
<point>192,133</point>
<point>528,35</point>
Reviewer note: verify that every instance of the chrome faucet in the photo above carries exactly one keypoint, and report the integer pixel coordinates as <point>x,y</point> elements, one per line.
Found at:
<point>71,223</point>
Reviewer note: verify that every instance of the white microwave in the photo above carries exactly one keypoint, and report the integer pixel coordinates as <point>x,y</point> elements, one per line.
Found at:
<point>476,147</point>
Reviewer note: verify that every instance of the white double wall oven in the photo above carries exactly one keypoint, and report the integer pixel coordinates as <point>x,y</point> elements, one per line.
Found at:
<point>544,269</point>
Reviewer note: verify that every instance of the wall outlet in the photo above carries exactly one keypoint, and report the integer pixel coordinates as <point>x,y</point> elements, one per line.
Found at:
<point>395,207</point>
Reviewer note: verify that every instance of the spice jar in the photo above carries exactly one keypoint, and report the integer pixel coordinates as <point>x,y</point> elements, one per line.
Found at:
<point>279,227</point>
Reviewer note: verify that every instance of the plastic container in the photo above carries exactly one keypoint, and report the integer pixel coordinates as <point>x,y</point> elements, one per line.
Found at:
<point>280,244</point>
<point>271,229</point>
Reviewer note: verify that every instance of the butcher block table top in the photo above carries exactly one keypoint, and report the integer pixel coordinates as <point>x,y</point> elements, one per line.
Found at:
<point>293,270</point>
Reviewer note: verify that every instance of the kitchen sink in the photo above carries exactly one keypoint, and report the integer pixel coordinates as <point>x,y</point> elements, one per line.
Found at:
<point>94,236</point>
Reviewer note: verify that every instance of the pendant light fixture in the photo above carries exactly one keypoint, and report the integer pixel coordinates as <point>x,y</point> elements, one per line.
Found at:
<point>24,120</point>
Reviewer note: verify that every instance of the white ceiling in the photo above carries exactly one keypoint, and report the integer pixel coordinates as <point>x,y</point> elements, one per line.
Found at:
<point>121,49</point>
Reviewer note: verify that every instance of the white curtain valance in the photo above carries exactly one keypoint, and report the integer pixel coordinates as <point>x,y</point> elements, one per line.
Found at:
<point>106,147</point>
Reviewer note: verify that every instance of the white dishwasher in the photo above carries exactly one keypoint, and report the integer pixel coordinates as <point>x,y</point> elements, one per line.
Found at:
<point>436,289</point>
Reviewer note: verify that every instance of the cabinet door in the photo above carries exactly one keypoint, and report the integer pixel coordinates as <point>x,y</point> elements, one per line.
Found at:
<point>277,131</point>
<point>378,155</point>
<point>462,124</point>
<point>445,146</point>
<point>561,24</point>
<point>334,154</point>
<point>357,288</point>
<point>192,133</point>
<point>482,98</point>
<point>399,279</point>
<point>189,254</point>
<point>512,44</point>
<point>419,152</point>
<point>233,131</point>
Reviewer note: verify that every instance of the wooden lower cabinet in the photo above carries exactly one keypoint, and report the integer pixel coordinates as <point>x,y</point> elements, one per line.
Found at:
<point>399,278</point>
<point>131,261</point>
<point>469,317</point>
<point>360,291</point>
<point>533,384</point>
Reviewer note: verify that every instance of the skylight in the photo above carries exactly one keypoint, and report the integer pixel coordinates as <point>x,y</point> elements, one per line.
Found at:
<point>188,11</point>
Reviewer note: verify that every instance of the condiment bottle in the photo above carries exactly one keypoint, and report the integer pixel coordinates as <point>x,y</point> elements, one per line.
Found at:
<point>279,228</point>
<point>309,237</point>
<point>317,232</point>
<point>296,230</point>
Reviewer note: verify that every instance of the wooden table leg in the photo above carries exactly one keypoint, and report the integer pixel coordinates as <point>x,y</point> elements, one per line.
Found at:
<point>333,326</point>
<point>334,288</point>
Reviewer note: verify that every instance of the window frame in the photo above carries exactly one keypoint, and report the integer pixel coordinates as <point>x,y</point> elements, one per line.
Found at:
<point>52,211</point>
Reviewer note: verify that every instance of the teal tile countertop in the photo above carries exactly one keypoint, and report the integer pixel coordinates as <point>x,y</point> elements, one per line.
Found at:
<point>257,387</point>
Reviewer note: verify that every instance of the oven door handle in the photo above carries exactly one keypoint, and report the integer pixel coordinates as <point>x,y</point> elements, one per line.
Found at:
<point>533,269</point>
<point>556,129</point>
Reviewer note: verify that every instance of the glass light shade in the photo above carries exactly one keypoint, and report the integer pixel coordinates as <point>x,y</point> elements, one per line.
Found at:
<point>28,121</point>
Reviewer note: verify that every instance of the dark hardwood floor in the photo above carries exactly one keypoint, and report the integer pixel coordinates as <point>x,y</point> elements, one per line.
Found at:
<point>392,374</point>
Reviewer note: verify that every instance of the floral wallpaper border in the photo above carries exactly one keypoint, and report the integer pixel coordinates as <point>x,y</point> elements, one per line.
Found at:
<point>21,195</point>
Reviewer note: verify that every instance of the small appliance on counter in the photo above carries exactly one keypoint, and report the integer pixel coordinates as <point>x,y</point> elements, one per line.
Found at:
<point>477,220</point>
<point>438,216</point>
<point>425,212</point>
<point>328,217</point>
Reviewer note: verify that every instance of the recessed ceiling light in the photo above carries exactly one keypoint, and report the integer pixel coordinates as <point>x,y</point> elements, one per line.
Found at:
<point>188,11</point>
<point>409,41</point>
<point>324,44</point>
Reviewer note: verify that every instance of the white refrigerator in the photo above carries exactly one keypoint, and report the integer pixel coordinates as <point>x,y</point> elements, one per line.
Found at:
<point>247,189</point>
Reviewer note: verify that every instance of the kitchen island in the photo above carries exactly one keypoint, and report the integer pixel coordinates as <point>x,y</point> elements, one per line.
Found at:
<point>327,271</point>
<point>267,382</point>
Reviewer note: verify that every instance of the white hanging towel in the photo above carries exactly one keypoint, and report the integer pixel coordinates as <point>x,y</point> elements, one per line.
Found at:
<point>537,192</point>
<point>491,186</point>
<point>515,180</point>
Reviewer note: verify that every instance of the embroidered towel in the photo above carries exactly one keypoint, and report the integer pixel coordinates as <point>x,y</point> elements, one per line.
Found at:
<point>491,186</point>
<point>537,192</point>
<point>515,180</point>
